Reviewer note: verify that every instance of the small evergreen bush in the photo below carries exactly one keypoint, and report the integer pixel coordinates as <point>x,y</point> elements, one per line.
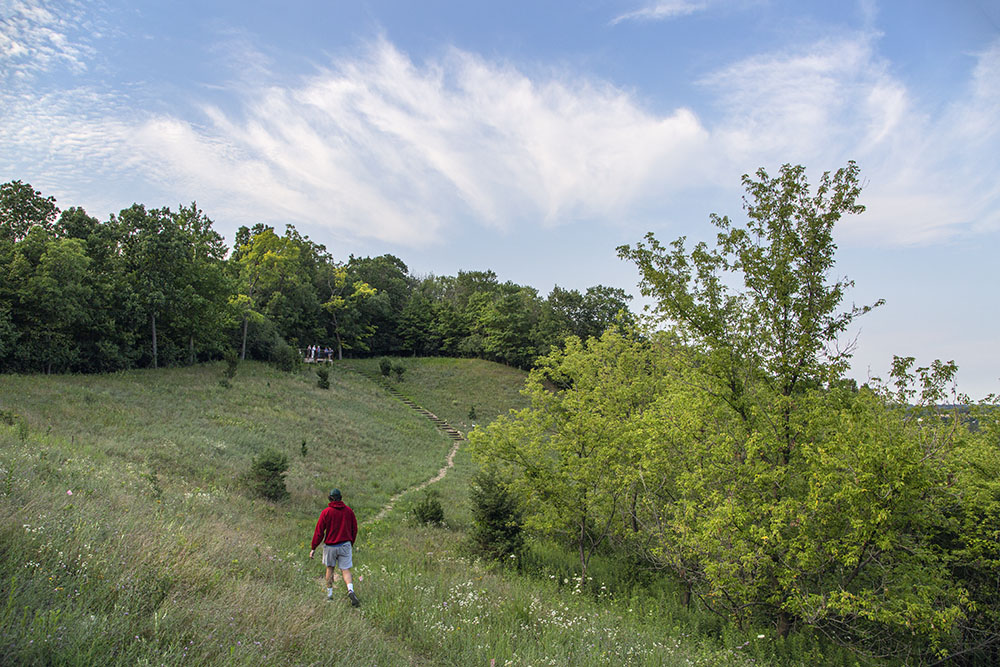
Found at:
<point>496,517</point>
<point>429,509</point>
<point>398,370</point>
<point>267,475</point>
<point>285,357</point>
<point>232,360</point>
<point>384,366</point>
<point>323,375</point>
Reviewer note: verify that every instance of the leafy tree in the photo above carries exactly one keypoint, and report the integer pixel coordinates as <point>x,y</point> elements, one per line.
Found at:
<point>588,314</point>
<point>769,484</point>
<point>51,283</point>
<point>389,277</point>
<point>781,332</point>
<point>567,453</point>
<point>507,320</point>
<point>416,326</point>
<point>154,259</point>
<point>108,339</point>
<point>264,262</point>
<point>202,308</point>
<point>342,304</point>
<point>21,208</point>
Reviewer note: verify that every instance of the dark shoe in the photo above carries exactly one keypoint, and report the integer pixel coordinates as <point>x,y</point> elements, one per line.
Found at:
<point>354,599</point>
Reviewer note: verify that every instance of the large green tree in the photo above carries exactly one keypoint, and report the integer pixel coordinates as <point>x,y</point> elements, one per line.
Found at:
<point>782,492</point>
<point>568,454</point>
<point>21,208</point>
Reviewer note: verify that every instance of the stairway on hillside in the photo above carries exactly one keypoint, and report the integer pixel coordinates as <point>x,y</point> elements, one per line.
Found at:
<point>442,425</point>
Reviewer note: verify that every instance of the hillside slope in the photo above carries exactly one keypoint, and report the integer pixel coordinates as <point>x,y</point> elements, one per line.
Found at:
<point>127,537</point>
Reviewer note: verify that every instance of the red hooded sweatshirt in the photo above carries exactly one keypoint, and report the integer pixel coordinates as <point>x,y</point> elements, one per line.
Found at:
<point>337,523</point>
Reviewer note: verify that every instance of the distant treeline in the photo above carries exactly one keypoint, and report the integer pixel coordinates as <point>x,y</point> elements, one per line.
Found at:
<point>156,287</point>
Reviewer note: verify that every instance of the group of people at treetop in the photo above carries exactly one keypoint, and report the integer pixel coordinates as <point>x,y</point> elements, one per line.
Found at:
<point>337,529</point>
<point>318,353</point>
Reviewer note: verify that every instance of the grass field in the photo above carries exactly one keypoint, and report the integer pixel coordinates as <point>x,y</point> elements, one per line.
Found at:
<point>127,537</point>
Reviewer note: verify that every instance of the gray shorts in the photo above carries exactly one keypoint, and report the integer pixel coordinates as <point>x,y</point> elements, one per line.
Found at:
<point>337,555</point>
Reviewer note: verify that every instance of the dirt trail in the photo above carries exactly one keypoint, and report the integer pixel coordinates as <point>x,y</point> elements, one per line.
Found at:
<point>449,463</point>
<point>456,436</point>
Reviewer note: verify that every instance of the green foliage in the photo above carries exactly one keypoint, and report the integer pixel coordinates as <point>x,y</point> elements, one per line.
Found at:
<point>497,531</point>
<point>22,208</point>
<point>385,367</point>
<point>304,449</point>
<point>232,360</point>
<point>323,378</point>
<point>153,287</point>
<point>285,357</point>
<point>398,370</point>
<point>267,475</point>
<point>428,509</point>
<point>141,582</point>
<point>472,413</point>
<point>567,454</point>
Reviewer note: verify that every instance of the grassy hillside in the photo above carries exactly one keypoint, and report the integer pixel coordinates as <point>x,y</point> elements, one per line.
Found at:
<point>126,535</point>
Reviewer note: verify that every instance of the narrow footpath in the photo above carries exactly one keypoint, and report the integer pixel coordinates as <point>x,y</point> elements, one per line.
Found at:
<point>453,433</point>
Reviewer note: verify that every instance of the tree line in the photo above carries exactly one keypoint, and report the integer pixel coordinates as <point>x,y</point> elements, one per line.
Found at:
<point>728,449</point>
<point>160,287</point>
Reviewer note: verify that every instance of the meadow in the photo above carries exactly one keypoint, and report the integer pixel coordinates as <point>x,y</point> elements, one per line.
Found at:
<point>127,534</point>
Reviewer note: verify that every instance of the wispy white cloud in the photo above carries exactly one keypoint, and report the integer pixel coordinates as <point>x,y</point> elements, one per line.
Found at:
<point>929,176</point>
<point>662,10</point>
<point>383,147</point>
<point>379,146</point>
<point>38,36</point>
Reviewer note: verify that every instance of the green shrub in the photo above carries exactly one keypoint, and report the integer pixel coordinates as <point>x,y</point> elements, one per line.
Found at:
<point>285,357</point>
<point>267,475</point>
<point>232,360</point>
<point>323,375</point>
<point>398,370</point>
<point>384,366</point>
<point>428,510</point>
<point>496,517</point>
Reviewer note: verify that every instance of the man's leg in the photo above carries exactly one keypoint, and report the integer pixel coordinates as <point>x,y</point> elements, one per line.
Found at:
<point>329,581</point>
<point>350,586</point>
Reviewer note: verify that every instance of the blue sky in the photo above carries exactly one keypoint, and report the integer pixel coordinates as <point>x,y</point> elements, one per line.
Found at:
<point>533,138</point>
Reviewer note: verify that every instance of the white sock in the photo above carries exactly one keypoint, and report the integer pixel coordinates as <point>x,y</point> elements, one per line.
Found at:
<point>329,592</point>
<point>350,587</point>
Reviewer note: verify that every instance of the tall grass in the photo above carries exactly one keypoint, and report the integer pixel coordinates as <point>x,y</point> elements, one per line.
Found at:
<point>127,536</point>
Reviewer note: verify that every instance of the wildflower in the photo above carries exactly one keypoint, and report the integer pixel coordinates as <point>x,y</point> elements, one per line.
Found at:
<point>69,492</point>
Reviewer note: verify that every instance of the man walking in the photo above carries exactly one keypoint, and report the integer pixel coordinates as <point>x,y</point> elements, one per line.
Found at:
<point>337,528</point>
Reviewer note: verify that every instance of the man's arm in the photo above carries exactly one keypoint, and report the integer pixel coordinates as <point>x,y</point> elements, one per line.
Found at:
<point>318,533</point>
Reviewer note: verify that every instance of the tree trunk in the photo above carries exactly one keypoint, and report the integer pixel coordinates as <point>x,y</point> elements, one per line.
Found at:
<point>784,624</point>
<point>152,320</point>
<point>191,350</point>
<point>243,351</point>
